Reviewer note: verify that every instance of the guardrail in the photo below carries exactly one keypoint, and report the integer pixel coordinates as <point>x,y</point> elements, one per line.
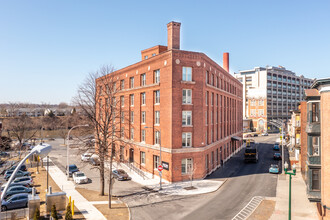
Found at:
<point>14,214</point>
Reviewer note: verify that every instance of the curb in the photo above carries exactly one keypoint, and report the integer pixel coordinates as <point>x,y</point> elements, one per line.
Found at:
<point>129,210</point>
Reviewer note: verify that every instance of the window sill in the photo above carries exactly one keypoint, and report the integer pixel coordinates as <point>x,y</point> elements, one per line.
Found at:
<point>157,104</point>
<point>187,126</point>
<point>187,104</point>
<point>188,82</point>
<point>186,146</point>
<point>156,124</point>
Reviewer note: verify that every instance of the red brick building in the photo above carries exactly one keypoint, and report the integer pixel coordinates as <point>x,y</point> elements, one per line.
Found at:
<point>185,101</point>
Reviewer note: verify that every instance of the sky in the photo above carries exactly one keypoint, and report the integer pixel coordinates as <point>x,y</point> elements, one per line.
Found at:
<point>47,48</point>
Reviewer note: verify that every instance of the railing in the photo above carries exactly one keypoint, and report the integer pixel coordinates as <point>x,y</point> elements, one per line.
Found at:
<point>137,168</point>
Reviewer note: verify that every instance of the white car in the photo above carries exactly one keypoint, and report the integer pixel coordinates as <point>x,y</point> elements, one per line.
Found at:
<point>79,177</point>
<point>86,157</point>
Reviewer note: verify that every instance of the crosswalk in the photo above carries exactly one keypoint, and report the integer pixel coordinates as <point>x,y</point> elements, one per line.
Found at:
<point>249,208</point>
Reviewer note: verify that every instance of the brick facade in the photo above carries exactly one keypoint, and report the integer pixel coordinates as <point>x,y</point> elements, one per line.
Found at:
<point>215,121</point>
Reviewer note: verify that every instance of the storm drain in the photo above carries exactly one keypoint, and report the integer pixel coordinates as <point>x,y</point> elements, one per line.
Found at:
<point>249,208</point>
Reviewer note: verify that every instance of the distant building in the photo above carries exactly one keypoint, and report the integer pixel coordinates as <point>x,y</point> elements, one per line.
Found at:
<point>193,101</point>
<point>270,93</point>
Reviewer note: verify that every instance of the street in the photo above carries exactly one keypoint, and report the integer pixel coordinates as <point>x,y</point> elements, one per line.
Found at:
<point>244,181</point>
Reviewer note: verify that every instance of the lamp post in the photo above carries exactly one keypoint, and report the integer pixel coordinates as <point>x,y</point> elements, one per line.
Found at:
<point>160,156</point>
<point>290,174</point>
<point>68,146</point>
<point>41,150</point>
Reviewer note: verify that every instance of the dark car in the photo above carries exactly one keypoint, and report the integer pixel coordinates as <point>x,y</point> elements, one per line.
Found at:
<point>72,169</point>
<point>121,175</point>
<point>276,147</point>
<point>277,156</point>
<point>22,168</point>
<point>15,201</point>
<point>94,161</point>
<point>255,135</point>
<point>4,154</point>
<point>12,190</point>
<point>19,173</point>
<point>15,184</point>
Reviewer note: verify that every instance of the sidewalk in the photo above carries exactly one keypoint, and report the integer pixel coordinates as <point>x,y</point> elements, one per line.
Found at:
<point>177,188</point>
<point>84,206</point>
<point>301,208</point>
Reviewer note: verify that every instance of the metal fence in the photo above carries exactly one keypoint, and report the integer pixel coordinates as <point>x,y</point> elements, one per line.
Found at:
<point>14,214</point>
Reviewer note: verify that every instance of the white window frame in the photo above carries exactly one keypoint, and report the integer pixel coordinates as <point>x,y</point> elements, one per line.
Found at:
<point>122,84</point>
<point>143,158</point>
<point>157,117</point>
<point>157,76</point>
<point>157,137</point>
<point>131,82</point>
<point>122,101</point>
<point>132,133</point>
<point>143,117</point>
<point>186,73</point>
<point>143,79</point>
<point>186,118</point>
<point>156,161</point>
<point>143,135</point>
<point>131,96</point>
<point>131,117</point>
<point>186,96</point>
<point>157,97</point>
<point>143,98</point>
<point>186,166</point>
<point>186,139</point>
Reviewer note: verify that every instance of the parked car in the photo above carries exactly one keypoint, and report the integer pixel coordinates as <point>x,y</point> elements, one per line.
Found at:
<point>121,175</point>
<point>14,184</point>
<point>19,173</point>
<point>247,135</point>
<point>255,135</point>
<point>22,168</point>
<point>4,154</point>
<point>277,156</point>
<point>79,177</point>
<point>12,190</point>
<point>94,161</point>
<point>24,180</point>
<point>86,157</point>
<point>276,147</point>
<point>274,168</point>
<point>264,134</point>
<point>72,169</point>
<point>15,201</point>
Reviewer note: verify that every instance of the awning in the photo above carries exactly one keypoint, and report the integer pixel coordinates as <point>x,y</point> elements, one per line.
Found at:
<point>236,138</point>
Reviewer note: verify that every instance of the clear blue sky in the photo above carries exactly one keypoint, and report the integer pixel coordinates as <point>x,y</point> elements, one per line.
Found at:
<point>48,47</point>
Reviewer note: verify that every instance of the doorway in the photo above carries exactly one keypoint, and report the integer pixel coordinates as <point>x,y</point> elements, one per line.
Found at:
<point>131,155</point>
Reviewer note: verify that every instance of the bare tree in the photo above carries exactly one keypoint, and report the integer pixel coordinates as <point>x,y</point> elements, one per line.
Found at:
<point>97,98</point>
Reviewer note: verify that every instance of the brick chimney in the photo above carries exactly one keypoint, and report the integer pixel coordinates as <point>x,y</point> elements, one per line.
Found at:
<point>173,35</point>
<point>225,62</point>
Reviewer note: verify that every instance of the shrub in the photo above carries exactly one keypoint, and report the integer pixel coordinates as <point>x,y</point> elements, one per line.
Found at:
<point>54,212</point>
<point>36,215</point>
<point>68,214</point>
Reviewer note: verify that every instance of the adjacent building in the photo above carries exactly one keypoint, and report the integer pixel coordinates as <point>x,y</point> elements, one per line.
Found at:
<point>270,93</point>
<point>184,101</point>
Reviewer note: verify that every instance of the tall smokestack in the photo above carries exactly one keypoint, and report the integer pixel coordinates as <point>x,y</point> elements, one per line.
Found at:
<point>226,61</point>
<point>173,35</point>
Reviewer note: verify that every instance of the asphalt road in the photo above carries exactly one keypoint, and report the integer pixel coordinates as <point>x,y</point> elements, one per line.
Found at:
<point>244,181</point>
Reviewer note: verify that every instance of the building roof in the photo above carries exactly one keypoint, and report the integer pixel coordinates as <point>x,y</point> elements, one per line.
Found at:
<point>318,82</point>
<point>311,92</point>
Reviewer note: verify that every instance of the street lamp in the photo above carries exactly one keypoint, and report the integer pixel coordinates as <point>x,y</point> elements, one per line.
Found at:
<point>160,156</point>
<point>68,146</point>
<point>41,150</point>
<point>290,174</point>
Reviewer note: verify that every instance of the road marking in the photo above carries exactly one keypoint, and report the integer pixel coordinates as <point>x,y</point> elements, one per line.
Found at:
<point>249,208</point>
<point>105,202</point>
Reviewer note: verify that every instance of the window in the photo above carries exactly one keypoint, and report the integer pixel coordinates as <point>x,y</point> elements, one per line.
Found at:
<point>316,183</point>
<point>122,84</point>
<point>132,133</point>
<point>114,87</point>
<point>186,73</point>
<point>207,77</point>
<point>260,112</point>
<point>143,135</point>
<point>157,137</point>
<point>253,102</point>
<point>211,83</point>
<point>143,79</point>
<point>143,98</point>
<point>186,118</point>
<point>316,145</point>
<point>122,117</point>
<point>156,76</point>
<point>145,57</point>
<point>157,117</point>
<point>207,98</point>
<point>186,165</point>
<point>186,139</point>
<point>157,97</point>
<point>132,116</point>
<point>156,162</point>
<point>253,112</point>
<point>122,101</point>
<point>143,117</point>
<point>153,54</point>
<point>211,117</point>
<point>261,102</point>
<point>206,118</point>
<point>186,96</point>
<point>131,99</point>
<point>212,98</point>
<point>143,158</point>
<point>131,82</point>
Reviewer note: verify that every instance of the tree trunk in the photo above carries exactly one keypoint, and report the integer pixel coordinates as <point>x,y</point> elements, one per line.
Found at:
<point>102,179</point>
